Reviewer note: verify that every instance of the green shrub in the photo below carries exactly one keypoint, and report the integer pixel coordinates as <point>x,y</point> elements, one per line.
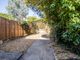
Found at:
<point>65,17</point>
<point>25,25</point>
<point>72,34</point>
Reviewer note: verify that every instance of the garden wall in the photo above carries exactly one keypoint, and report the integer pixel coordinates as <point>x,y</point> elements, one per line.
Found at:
<point>10,29</point>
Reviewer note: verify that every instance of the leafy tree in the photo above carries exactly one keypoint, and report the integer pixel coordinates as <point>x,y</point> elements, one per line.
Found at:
<point>17,9</point>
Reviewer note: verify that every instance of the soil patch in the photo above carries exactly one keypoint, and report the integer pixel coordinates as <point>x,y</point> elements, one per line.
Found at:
<point>64,54</point>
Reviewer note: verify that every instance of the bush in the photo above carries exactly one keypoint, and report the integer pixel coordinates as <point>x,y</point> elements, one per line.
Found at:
<point>65,17</point>
<point>26,27</point>
<point>25,24</point>
<point>72,34</point>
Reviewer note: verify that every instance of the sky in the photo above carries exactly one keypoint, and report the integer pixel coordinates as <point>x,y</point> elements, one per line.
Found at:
<point>31,13</point>
<point>4,3</point>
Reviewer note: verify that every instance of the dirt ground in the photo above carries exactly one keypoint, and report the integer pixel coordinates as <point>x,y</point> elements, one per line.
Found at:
<point>63,54</point>
<point>18,45</point>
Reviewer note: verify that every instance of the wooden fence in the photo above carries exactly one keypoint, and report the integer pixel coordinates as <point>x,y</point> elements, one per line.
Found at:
<point>10,29</point>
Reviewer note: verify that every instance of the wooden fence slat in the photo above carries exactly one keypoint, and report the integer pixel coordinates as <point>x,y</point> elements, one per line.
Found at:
<point>0,29</point>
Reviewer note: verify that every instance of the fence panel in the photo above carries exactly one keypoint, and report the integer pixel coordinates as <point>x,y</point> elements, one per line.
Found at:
<point>10,29</point>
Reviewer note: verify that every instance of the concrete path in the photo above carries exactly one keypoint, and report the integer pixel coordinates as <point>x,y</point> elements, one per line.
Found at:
<point>40,49</point>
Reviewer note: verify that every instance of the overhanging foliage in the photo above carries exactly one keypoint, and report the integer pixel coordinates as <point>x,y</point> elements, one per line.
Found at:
<point>63,16</point>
